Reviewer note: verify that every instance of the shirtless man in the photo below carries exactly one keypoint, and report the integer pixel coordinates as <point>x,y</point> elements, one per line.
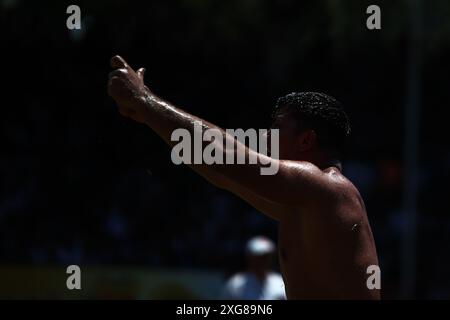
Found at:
<point>325,240</point>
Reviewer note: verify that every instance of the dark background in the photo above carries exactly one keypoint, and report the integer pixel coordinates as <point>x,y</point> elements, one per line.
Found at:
<point>81,185</point>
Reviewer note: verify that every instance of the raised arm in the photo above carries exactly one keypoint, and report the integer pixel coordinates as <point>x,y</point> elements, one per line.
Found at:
<point>295,183</point>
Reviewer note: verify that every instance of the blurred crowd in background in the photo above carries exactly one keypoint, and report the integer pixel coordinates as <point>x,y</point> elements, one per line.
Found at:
<point>81,185</point>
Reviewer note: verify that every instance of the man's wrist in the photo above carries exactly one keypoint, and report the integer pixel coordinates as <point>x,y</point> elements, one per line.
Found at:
<point>147,102</point>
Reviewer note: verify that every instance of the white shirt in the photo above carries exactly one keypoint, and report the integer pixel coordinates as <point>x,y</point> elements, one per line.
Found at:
<point>245,286</point>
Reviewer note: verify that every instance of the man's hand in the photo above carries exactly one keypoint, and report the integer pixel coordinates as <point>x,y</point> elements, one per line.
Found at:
<point>127,88</point>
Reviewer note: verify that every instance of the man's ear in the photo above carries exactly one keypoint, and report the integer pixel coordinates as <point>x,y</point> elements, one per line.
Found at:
<point>307,140</point>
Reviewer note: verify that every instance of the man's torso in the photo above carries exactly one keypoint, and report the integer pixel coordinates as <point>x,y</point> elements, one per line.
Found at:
<point>325,249</point>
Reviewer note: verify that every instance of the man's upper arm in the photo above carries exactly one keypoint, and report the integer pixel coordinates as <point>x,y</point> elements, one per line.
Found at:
<point>296,183</point>
<point>270,209</point>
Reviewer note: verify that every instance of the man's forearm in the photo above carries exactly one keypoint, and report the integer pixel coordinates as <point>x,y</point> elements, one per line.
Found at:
<point>164,118</point>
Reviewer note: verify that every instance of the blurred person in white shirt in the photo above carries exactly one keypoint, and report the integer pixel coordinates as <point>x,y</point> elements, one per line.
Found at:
<point>259,281</point>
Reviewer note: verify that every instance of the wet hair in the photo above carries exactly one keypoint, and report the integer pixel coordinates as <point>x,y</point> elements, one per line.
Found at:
<point>319,112</point>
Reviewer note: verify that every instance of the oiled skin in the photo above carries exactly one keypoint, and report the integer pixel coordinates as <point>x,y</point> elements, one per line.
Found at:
<point>325,250</point>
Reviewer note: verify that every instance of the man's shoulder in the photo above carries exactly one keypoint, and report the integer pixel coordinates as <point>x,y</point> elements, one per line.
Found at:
<point>339,183</point>
<point>336,191</point>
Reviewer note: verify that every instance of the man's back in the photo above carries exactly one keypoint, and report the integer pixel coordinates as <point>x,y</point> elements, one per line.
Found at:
<point>325,248</point>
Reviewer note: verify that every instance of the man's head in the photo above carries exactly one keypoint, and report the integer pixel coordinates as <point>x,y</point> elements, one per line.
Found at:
<point>311,125</point>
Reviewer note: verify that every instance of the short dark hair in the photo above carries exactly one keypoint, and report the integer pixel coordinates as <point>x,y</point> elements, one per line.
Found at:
<point>319,112</point>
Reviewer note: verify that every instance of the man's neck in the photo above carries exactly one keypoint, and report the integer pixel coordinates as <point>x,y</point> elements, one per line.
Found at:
<point>324,161</point>
<point>336,163</point>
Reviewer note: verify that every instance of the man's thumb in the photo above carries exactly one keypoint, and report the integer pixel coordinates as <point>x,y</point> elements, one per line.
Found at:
<point>140,73</point>
<point>117,62</point>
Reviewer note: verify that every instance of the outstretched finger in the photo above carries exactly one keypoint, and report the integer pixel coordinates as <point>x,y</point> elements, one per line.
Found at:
<point>141,73</point>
